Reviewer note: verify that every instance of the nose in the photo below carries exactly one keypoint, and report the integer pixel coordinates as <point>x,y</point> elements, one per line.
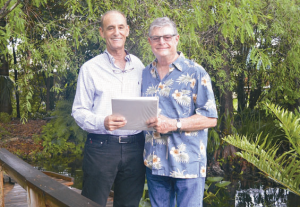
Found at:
<point>117,31</point>
<point>161,40</point>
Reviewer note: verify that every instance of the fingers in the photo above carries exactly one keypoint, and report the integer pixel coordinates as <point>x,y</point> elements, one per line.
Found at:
<point>114,122</point>
<point>156,124</point>
<point>161,124</point>
<point>153,122</point>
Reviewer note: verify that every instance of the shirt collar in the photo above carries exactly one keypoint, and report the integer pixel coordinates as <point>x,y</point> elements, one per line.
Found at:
<point>176,63</point>
<point>112,59</point>
<point>116,69</point>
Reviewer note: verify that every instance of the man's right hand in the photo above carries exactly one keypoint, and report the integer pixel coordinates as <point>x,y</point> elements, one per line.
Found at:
<point>113,122</point>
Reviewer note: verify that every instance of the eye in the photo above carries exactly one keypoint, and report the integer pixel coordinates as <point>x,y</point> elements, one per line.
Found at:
<point>167,37</point>
<point>155,38</point>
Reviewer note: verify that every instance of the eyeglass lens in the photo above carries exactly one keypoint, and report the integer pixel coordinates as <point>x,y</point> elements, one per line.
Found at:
<point>166,37</point>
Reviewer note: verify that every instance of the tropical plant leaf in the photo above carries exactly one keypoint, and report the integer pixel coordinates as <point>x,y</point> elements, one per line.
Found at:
<point>281,167</point>
<point>222,184</point>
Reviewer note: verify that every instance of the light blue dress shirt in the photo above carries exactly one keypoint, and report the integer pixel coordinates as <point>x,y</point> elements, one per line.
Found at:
<point>98,82</point>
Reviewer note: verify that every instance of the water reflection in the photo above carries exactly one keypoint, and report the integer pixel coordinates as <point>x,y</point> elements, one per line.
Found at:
<point>70,166</point>
<point>254,191</point>
<point>244,191</point>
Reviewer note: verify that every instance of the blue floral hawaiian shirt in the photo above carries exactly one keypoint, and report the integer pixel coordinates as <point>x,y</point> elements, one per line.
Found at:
<point>186,90</point>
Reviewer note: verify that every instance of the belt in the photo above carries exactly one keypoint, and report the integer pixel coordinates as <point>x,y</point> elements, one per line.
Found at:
<point>115,138</point>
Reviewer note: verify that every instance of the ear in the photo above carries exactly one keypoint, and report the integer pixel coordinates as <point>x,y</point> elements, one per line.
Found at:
<point>101,32</point>
<point>177,39</point>
<point>127,33</point>
<point>149,40</point>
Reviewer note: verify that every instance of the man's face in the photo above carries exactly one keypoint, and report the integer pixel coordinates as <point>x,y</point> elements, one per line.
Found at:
<point>114,31</point>
<point>163,47</point>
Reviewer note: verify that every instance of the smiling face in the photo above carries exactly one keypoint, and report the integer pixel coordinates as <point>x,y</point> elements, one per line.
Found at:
<point>163,48</point>
<point>114,31</point>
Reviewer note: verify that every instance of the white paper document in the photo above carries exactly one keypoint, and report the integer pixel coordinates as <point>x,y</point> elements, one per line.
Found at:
<point>136,110</point>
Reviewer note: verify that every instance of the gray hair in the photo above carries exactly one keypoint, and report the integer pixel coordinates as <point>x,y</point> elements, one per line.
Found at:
<point>163,22</point>
<point>111,11</point>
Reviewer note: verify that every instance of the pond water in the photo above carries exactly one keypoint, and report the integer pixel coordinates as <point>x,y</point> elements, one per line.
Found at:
<point>244,191</point>
<point>253,191</point>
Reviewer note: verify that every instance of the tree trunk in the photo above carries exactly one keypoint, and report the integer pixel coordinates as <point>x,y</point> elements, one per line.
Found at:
<point>255,94</point>
<point>5,101</point>
<point>226,101</point>
<point>241,95</point>
<point>50,95</point>
<point>16,81</point>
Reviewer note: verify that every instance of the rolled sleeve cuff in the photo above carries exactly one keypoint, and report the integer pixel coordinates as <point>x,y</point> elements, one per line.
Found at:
<point>212,113</point>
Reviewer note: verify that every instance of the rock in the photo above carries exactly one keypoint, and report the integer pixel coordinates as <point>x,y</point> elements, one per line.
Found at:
<point>215,169</point>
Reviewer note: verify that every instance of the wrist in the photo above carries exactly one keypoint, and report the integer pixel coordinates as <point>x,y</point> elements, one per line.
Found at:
<point>178,125</point>
<point>174,125</point>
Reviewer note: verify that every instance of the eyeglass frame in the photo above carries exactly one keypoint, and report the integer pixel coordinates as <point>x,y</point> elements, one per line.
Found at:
<point>163,36</point>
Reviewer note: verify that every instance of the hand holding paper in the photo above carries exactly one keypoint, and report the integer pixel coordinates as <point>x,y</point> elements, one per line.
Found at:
<point>114,122</point>
<point>162,124</point>
<point>136,111</point>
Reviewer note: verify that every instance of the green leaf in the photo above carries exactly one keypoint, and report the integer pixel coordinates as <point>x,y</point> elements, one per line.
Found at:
<point>214,179</point>
<point>222,184</point>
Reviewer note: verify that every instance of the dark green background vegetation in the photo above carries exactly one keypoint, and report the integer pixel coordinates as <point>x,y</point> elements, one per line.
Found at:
<point>251,49</point>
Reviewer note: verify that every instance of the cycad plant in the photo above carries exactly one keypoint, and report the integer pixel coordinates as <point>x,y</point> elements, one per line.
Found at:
<point>277,164</point>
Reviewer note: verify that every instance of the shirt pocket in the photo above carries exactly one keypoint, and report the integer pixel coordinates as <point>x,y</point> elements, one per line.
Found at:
<point>131,87</point>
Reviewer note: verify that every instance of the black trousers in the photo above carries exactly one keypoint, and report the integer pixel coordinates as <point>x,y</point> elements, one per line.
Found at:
<point>114,159</point>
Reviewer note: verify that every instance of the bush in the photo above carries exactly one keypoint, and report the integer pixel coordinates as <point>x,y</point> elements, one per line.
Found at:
<point>5,117</point>
<point>62,134</point>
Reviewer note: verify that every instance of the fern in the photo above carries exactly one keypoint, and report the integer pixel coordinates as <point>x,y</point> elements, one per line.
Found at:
<point>282,168</point>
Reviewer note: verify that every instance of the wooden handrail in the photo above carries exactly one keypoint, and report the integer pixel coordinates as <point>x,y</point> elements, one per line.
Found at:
<point>42,191</point>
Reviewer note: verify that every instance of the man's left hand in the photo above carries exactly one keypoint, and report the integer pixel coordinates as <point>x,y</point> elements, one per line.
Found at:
<point>162,124</point>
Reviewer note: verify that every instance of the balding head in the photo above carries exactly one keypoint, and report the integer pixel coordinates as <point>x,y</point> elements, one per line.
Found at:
<point>110,12</point>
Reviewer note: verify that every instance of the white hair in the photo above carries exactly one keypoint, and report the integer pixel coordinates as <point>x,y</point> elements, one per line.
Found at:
<point>163,22</point>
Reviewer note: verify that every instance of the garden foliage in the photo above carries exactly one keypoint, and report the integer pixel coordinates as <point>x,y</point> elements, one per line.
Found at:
<point>250,48</point>
<point>280,165</point>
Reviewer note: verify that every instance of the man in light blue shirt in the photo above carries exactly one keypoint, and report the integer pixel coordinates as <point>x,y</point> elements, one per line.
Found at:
<point>111,155</point>
<point>175,154</point>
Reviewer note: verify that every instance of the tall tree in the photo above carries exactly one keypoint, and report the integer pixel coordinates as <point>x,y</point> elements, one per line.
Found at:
<point>5,82</point>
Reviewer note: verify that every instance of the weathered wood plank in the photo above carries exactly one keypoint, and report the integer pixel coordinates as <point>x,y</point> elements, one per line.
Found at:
<point>17,197</point>
<point>47,189</point>
<point>63,179</point>
<point>1,188</point>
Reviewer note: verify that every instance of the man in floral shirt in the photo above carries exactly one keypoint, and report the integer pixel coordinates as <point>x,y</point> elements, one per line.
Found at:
<point>175,153</point>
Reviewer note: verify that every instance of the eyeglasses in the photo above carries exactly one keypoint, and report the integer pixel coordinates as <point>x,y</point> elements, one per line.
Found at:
<point>119,71</point>
<point>167,38</point>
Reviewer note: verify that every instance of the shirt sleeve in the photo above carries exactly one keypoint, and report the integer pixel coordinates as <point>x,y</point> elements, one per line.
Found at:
<point>83,104</point>
<point>203,96</point>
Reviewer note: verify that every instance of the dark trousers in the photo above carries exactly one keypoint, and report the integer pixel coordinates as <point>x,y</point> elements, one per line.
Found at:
<point>112,159</point>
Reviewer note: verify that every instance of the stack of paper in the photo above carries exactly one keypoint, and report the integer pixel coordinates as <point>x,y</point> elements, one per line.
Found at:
<point>136,110</point>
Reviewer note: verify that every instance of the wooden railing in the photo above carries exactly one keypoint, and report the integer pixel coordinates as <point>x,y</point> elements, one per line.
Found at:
<point>42,191</point>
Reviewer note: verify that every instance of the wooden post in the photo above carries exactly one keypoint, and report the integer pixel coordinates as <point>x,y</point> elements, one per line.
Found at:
<point>1,188</point>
